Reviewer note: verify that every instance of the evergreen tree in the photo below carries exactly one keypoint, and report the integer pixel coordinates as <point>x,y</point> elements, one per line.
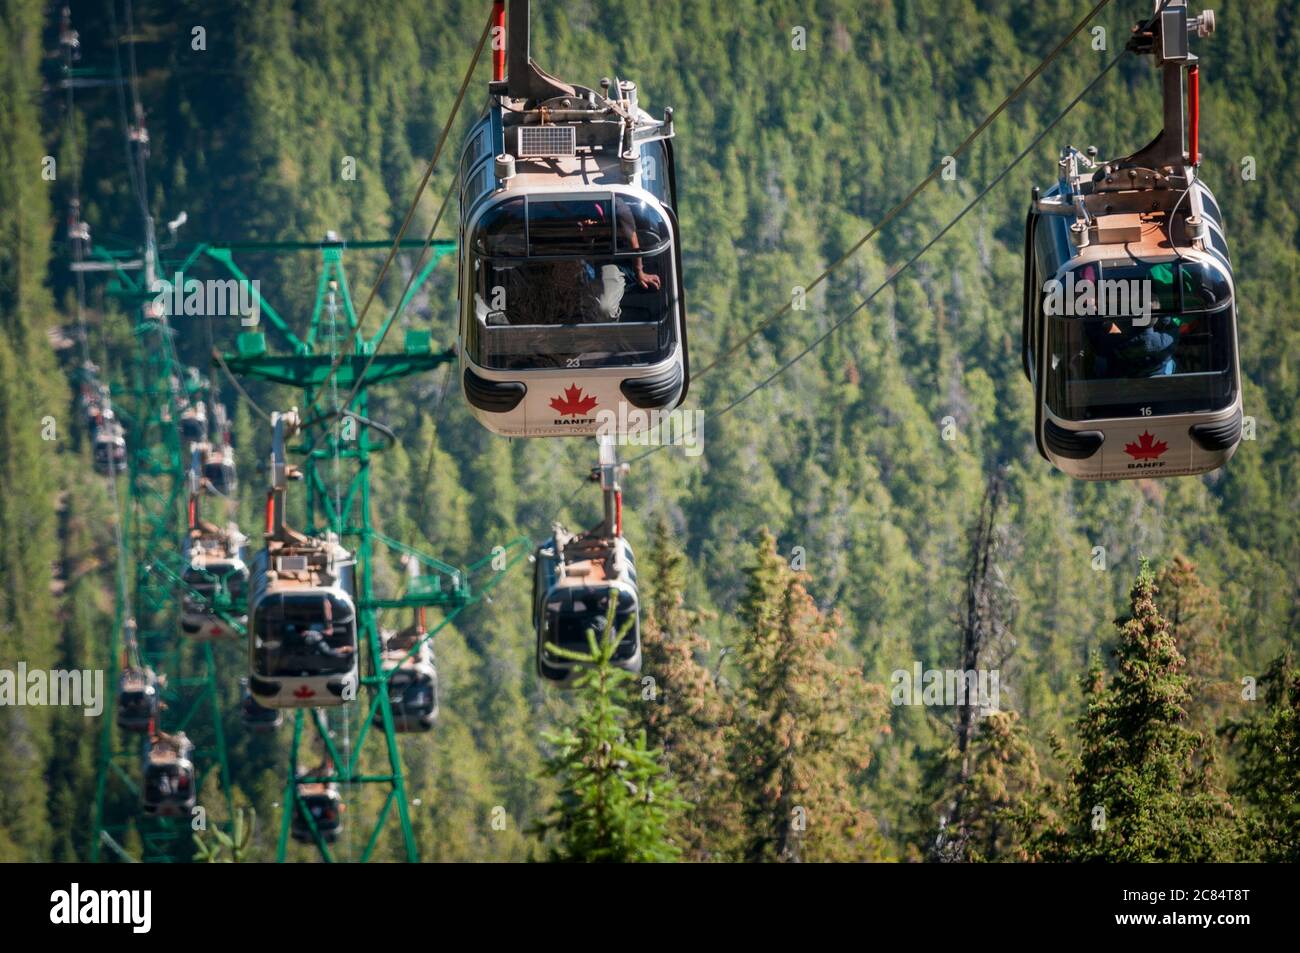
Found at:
<point>986,642</point>
<point>804,726</point>
<point>1197,621</point>
<point>1004,809</point>
<point>683,711</point>
<point>614,804</point>
<point>1269,776</point>
<point>1141,788</point>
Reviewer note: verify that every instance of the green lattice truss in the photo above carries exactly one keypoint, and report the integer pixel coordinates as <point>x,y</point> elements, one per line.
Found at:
<point>339,438</point>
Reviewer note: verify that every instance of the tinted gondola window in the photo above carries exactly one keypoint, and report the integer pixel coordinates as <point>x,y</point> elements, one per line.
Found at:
<point>474,151</point>
<point>1180,359</point>
<point>1219,244</point>
<point>501,232</point>
<point>220,475</point>
<point>1211,205</point>
<point>304,635</point>
<point>656,172</point>
<point>571,615</point>
<point>639,226</point>
<point>600,312</point>
<point>572,226</point>
<point>476,186</point>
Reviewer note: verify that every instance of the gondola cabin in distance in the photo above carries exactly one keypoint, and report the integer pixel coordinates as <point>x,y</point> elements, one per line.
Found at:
<point>1130,332</point>
<point>302,615</point>
<point>579,578</point>
<point>570,259</point>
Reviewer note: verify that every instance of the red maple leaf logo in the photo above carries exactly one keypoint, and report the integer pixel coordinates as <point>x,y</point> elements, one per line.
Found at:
<point>1147,447</point>
<point>573,402</point>
<point>303,692</point>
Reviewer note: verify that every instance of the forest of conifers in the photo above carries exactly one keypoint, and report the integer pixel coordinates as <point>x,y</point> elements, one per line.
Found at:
<point>879,506</point>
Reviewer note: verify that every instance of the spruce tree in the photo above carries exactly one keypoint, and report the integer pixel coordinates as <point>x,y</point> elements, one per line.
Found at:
<point>1269,774</point>
<point>804,726</point>
<point>32,400</point>
<point>1004,809</point>
<point>683,711</point>
<point>614,803</point>
<point>1198,622</point>
<point>1143,788</point>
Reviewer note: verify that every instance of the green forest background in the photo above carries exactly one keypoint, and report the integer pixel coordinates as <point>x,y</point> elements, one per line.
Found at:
<point>785,158</point>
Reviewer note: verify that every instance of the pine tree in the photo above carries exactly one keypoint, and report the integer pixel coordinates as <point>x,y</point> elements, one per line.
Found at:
<point>1143,788</point>
<point>804,726</point>
<point>1269,775</point>
<point>1197,621</point>
<point>614,803</point>
<point>683,711</point>
<point>1004,809</point>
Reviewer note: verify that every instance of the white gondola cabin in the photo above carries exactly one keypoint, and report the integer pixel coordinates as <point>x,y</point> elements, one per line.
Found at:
<point>109,445</point>
<point>571,303</point>
<point>1130,332</point>
<point>215,578</point>
<point>412,680</point>
<point>302,616</point>
<point>169,788</point>
<point>302,627</point>
<point>576,581</point>
<point>139,699</point>
<point>219,470</point>
<point>194,422</point>
<point>324,805</point>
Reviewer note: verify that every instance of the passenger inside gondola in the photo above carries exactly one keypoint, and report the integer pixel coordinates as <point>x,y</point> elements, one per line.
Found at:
<point>313,642</point>
<point>1178,359</point>
<point>304,635</point>
<point>1126,348</point>
<point>562,263</point>
<point>633,219</point>
<point>161,782</point>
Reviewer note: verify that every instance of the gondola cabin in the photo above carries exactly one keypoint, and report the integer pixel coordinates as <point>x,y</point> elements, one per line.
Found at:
<point>412,681</point>
<point>215,584</point>
<point>138,699</point>
<point>194,423</point>
<point>572,315</point>
<point>169,788</point>
<point>1129,316</point>
<point>302,629</point>
<point>322,803</point>
<point>1131,341</point>
<point>575,580</point>
<point>109,447</point>
<point>219,470</point>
